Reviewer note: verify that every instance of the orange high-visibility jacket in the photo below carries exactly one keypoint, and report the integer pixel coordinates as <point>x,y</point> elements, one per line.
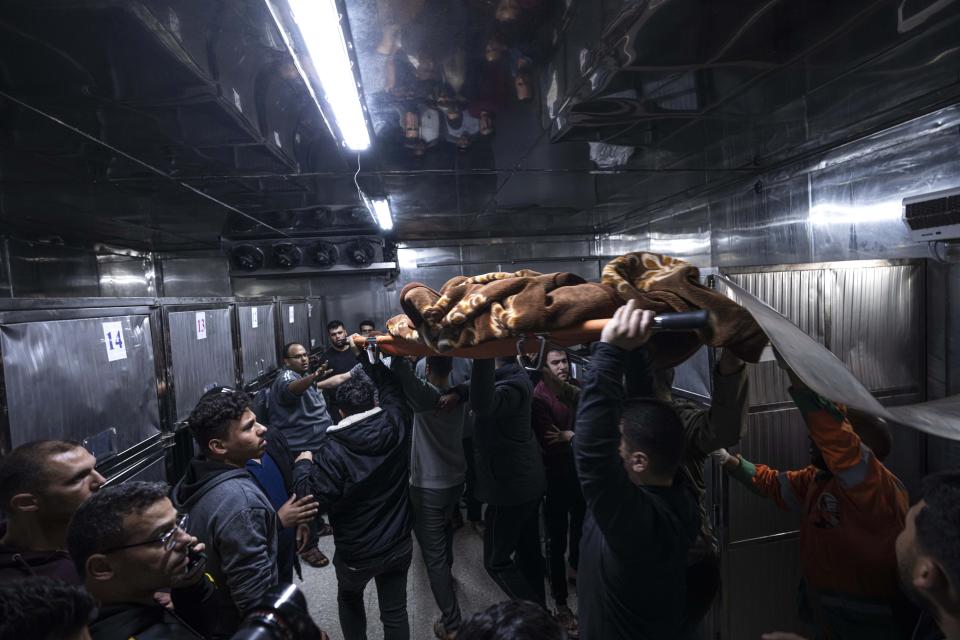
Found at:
<point>851,516</point>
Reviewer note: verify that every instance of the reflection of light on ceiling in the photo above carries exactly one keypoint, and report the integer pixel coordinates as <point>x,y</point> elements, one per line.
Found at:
<point>830,213</point>
<point>678,245</point>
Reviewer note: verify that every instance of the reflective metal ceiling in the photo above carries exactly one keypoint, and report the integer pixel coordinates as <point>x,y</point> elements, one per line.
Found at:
<point>168,123</point>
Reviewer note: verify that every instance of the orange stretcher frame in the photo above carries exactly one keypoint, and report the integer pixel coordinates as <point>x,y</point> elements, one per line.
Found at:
<point>583,333</point>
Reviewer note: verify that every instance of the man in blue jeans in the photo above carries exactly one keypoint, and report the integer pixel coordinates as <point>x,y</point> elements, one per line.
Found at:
<point>437,472</point>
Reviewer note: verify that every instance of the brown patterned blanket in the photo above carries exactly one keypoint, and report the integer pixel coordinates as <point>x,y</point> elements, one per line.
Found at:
<point>468,311</point>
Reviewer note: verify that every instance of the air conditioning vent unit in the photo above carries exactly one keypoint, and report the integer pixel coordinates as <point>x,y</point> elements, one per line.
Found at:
<point>361,252</point>
<point>247,257</point>
<point>287,256</point>
<point>933,216</point>
<point>325,254</point>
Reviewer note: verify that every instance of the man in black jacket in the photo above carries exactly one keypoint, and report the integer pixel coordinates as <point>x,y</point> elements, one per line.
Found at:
<point>360,475</point>
<point>510,478</point>
<point>641,517</point>
<point>128,543</point>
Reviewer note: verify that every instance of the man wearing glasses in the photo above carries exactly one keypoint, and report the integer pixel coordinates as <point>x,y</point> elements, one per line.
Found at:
<point>298,409</point>
<point>129,542</point>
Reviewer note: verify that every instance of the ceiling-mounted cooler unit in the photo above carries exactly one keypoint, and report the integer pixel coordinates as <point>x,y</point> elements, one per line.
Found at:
<point>308,256</point>
<point>933,216</point>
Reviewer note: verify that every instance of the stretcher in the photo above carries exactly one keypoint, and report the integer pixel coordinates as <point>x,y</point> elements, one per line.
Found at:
<point>531,346</point>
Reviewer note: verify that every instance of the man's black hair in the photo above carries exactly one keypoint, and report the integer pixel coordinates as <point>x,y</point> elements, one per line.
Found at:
<point>26,469</point>
<point>288,346</point>
<point>511,620</point>
<point>440,365</point>
<point>367,323</point>
<point>939,521</point>
<point>356,395</point>
<point>42,608</point>
<point>653,427</point>
<point>98,522</point>
<point>334,324</point>
<point>214,412</point>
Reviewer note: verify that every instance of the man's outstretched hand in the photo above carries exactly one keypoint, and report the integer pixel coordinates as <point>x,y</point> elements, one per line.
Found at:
<point>629,328</point>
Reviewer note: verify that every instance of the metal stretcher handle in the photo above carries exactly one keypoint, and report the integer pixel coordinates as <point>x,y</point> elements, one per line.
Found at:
<point>682,321</point>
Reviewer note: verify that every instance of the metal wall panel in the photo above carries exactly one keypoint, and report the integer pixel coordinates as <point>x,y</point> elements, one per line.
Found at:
<point>761,594</point>
<point>798,295</point>
<point>778,439</point>
<point>318,323</point>
<point>123,276</point>
<point>943,352</point>
<point>197,363</point>
<point>6,284</point>
<point>59,382</point>
<point>875,324</point>
<point>196,276</point>
<point>353,299</point>
<point>50,271</point>
<point>258,345</point>
<point>840,204</point>
<point>294,323</point>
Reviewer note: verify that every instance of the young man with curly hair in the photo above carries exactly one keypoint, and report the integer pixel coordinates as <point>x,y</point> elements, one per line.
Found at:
<point>229,512</point>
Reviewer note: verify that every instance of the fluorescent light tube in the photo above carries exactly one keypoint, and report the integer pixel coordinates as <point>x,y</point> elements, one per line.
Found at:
<point>321,54</point>
<point>381,213</point>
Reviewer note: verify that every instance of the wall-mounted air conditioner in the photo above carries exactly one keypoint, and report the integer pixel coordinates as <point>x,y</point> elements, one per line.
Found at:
<point>933,216</point>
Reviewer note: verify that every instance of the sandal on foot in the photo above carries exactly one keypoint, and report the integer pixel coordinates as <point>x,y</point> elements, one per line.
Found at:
<point>315,558</point>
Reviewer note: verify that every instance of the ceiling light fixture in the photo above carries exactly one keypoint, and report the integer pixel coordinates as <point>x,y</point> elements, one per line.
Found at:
<point>380,209</point>
<point>313,31</point>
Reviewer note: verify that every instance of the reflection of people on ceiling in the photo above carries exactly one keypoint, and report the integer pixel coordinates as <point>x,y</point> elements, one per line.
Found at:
<point>449,68</point>
<point>394,15</point>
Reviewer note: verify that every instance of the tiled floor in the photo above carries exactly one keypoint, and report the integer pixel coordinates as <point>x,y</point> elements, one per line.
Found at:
<point>475,590</point>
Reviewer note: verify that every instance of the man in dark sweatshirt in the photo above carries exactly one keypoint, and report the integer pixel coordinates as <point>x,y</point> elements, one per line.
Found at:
<point>128,543</point>
<point>641,517</point>
<point>228,510</point>
<point>360,476</point>
<point>510,477</point>
<point>41,484</point>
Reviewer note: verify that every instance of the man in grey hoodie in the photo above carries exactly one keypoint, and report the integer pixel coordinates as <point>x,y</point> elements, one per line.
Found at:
<point>229,512</point>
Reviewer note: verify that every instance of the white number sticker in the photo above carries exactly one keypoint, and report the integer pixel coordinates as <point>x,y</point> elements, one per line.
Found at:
<point>254,320</point>
<point>201,325</point>
<point>291,314</point>
<point>114,341</point>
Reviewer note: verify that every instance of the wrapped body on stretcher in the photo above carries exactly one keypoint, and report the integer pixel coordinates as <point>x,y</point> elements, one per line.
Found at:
<point>482,316</point>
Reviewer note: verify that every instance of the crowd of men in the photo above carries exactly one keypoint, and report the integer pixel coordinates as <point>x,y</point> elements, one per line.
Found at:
<point>387,449</point>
